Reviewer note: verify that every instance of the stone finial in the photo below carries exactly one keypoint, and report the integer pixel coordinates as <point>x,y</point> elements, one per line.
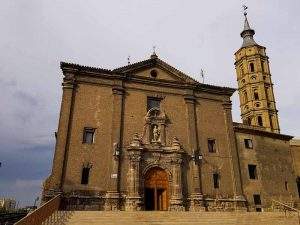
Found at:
<point>176,143</point>
<point>136,142</point>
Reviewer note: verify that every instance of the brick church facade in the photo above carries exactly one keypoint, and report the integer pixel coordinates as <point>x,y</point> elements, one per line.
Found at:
<point>146,136</point>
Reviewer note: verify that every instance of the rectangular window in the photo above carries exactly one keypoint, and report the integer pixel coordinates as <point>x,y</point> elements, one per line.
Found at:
<point>88,135</point>
<point>153,103</point>
<point>211,145</point>
<point>248,143</point>
<point>252,171</point>
<point>85,175</point>
<point>257,200</point>
<point>216,178</point>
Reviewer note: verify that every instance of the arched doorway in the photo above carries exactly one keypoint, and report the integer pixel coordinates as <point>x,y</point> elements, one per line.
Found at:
<point>156,189</point>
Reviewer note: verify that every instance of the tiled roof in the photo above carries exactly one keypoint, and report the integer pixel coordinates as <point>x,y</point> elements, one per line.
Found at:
<point>65,65</point>
<point>256,130</point>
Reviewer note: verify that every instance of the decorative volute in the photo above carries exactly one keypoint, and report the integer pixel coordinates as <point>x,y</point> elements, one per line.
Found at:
<point>136,142</point>
<point>176,144</point>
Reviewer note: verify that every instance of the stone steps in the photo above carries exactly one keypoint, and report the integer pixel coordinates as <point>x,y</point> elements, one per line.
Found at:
<point>179,218</point>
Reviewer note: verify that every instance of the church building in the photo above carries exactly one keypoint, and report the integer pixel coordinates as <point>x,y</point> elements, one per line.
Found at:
<point>147,136</point>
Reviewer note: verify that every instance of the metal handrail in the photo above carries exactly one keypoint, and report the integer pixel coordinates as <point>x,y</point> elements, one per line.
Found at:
<point>288,207</point>
<point>42,213</point>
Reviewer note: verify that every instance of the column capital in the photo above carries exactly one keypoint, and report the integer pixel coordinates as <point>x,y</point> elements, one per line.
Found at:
<point>68,84</point>
<point>190,99</point>
<point>118,90</point>
<point>227,105</point>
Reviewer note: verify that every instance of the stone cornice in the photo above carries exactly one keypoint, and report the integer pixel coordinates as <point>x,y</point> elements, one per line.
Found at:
<point>257,45</point>
<point>122,74</point>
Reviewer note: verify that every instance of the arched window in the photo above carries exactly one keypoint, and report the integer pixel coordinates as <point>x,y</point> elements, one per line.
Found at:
<point>298,185</point>
<point>271,121</point>
<point>85,174</point>
<point>263,66</point>
<point>255,94</point>
<point>251,67</point>
<point>259,121</point>
<point>267,93</point>
<point>216,178</point>
<point>249,121</point>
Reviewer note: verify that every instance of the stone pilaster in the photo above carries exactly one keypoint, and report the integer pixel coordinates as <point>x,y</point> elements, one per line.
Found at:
<point>133,198</point>
<point>64,129</point>
<point>235,169</point>
<point>176,202</point>
<point>196,197</point>
<point>113,196</point>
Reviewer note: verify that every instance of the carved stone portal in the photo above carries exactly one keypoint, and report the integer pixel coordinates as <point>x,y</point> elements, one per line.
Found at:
<point>154,173</point>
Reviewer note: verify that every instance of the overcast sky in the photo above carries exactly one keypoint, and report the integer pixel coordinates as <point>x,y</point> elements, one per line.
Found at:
<point>37,34</point>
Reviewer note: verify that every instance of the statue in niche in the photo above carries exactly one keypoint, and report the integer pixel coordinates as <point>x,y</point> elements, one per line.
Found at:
<point>156,133</point>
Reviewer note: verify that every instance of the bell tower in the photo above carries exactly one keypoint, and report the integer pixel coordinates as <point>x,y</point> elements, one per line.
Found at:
<point>255,87</point>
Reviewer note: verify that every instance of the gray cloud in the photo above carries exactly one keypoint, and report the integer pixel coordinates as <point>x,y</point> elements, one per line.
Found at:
<point>36,35</point>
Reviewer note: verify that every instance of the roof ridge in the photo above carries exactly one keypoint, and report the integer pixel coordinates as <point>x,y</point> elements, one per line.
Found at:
<point>131,65</point>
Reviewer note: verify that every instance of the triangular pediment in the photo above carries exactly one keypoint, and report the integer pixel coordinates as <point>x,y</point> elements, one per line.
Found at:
<point>164,71</point>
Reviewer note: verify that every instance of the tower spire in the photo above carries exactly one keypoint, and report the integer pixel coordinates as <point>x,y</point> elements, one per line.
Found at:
<point>248,33</point>
<point>257,102</point>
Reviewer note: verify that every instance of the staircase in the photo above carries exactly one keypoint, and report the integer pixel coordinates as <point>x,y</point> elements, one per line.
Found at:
<point>179,218</point>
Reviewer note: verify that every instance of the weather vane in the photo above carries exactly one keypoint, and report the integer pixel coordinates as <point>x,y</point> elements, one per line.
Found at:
<point>245,10</point>
<point>128,60</point>
<point>154,48</point>
<point>202,75</point>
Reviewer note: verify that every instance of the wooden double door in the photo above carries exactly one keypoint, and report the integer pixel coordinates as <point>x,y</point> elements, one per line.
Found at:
<point>156,191</point>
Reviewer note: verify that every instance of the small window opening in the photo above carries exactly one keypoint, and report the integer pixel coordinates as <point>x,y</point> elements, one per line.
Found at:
<point>257,200</point>
<point>252,172</point>
<point>211,145</point>
<point>263,66</point>
<point>153,73</point>
<point>216,178</point>
<point>153,103</point>
<point>271,121</point>
<point>286,185</point>
<point>88,135</point>
<point>267,93</point>
<point>251,67</point>
<point>249,121</point>
<point>259,121</point>
<point>248,143</point>
<point>298,185</point>
<point>256,96</point>
<point>85,175</point>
